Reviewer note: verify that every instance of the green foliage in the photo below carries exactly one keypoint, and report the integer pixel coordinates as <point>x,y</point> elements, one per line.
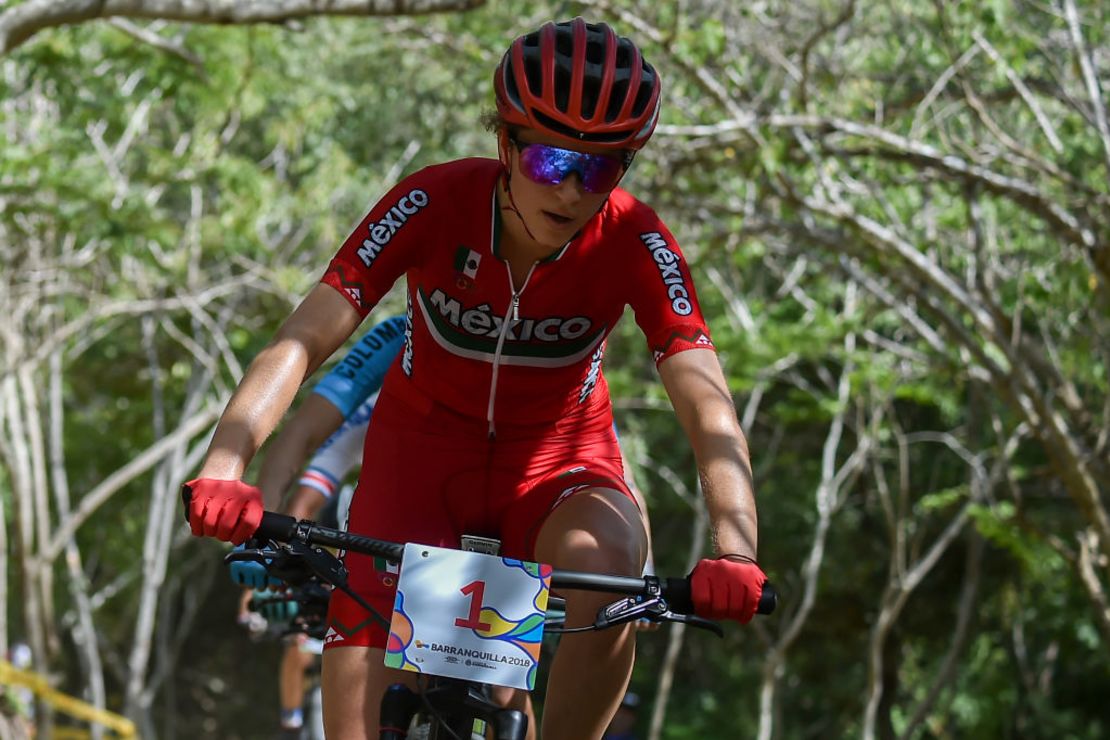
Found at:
<point>999,524</point>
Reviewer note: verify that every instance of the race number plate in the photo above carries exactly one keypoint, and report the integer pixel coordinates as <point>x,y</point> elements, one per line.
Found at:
<point>468,615</point>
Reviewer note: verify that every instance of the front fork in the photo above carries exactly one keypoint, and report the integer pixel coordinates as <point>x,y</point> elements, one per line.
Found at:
<point>399,706</point>
<point>457,700</point>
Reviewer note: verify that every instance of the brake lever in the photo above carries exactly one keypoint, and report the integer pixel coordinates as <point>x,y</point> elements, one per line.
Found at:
<point>695,621</point>
<point>254,555</point>
<point>654,609</point>
<point>631,609</point>
<point>294,562</point>
<point>256,549</point>
<point>321,563</point>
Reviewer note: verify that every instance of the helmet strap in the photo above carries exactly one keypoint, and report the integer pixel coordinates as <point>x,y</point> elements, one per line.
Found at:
<point>506,179</point>
<point>503,144</point>
<point>512,206</point>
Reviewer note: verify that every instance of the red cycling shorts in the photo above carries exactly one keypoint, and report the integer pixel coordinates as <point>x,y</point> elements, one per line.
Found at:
<point>430,476</point>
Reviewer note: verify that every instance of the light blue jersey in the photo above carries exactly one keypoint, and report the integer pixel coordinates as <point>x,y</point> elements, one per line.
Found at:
<point>361,372</point>
<point>352,387</point>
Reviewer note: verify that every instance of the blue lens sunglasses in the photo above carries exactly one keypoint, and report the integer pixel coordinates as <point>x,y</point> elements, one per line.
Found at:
<point>550,165</point>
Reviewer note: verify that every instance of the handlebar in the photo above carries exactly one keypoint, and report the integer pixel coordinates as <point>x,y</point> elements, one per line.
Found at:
<point>284,528</point>
<point>675,591</point>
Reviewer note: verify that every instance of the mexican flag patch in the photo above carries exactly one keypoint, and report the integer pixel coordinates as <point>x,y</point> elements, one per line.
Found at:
<point>466,261</point>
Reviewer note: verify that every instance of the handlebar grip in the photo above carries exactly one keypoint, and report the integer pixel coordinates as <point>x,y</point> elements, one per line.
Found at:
<point>768,599</point>
<point>186,499</point>
<point>677,593</point>
<point>276,527</point>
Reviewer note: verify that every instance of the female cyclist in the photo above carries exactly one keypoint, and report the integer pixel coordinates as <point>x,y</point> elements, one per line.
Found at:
<point>495,419</point>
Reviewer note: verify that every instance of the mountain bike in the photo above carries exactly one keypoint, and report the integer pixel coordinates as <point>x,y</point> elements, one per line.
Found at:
<point>295,549</point>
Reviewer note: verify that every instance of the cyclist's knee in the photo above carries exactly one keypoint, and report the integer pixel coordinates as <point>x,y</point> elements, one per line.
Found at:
<point>510,698</point>
<point>597,529</point>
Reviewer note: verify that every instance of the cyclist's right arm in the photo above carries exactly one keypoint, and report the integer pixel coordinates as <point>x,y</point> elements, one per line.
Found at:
<point>221,505</point>
<point>343,395</point>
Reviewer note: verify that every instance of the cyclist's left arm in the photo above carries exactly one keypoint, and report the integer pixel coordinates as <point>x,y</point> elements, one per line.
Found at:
<point>660,289</point>
<point>697,389</point>
<point>661,292</point>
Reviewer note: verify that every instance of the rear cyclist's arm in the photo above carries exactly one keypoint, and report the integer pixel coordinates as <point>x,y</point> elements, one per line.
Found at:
<point>305,503</point>
<point>342,453</point>
<point>315,421</point>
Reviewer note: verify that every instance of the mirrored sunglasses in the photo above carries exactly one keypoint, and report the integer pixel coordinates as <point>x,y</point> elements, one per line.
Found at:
<point>550,165</point>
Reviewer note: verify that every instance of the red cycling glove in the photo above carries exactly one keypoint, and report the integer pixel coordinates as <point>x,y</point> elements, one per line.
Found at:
<point>229,510</point>
<point>726,589</point>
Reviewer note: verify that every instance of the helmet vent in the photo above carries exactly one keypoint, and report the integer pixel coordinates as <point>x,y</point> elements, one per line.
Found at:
<point>591,88</point>
<point>643,96</point>
<point>512,91</point>
<point>616,99</point>
<point>533,72</point>
<point>624,57</point>
<point>562,87</point>
<point>564,44</point>
<point>595,52</point>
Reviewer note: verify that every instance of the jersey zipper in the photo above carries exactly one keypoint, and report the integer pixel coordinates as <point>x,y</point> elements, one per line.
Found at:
<point>512,313</point>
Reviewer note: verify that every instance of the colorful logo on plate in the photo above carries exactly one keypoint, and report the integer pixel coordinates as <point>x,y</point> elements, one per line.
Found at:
<point>400,638</point>
<point>526,634</point>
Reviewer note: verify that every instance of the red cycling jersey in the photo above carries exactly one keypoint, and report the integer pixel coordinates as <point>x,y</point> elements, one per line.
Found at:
<point>485,350</point>
<point>478,352</point>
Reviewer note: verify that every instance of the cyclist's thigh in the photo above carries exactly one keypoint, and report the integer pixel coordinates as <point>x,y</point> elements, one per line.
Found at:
<point>353,680</point>
<point>561,470</point>
<point>594,529</point>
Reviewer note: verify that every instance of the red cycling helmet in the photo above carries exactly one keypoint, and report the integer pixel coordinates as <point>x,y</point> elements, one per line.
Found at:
<point>580,82</point>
